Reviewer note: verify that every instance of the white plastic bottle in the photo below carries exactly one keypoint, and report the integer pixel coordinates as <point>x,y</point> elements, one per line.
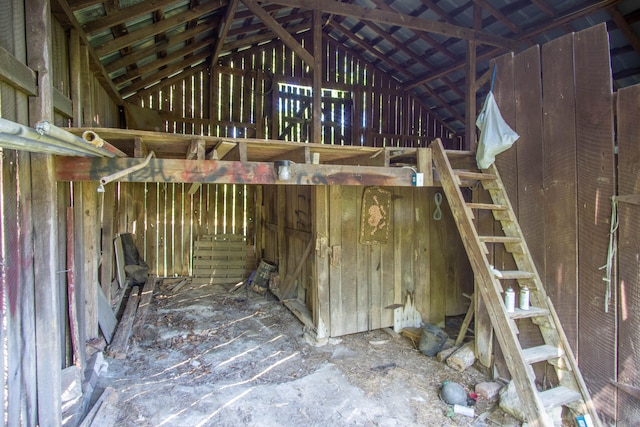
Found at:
<point>510,300</point>
<point>523,298</point>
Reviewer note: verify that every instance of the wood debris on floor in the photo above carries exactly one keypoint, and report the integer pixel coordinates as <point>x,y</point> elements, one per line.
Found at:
<point>204,355</point>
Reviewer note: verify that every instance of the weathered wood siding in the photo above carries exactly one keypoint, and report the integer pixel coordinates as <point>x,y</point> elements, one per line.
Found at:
<point>166,219</point>
<point>561,177</point>
<point>266,92</point>
<point>422,256</point>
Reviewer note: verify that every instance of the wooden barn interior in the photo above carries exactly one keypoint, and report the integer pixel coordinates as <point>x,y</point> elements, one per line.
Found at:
<point>335,143</point>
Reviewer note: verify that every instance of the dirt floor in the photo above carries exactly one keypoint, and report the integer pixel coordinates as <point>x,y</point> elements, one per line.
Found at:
<point>209,357</point>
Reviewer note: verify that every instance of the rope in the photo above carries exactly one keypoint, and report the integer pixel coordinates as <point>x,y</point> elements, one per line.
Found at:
<point>493,76</point>
<point>610,266</point>
<point>437,213</point>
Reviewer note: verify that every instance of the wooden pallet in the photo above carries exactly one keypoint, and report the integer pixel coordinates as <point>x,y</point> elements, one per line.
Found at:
<point>571,390</point>
<point>219,259</point>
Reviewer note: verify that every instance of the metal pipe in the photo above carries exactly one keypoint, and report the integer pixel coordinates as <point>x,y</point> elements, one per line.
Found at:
<point>117,175</point>
<point>92,138</point>
<point>15,142</point>
<point>46,128</point>
<point>30,135</point>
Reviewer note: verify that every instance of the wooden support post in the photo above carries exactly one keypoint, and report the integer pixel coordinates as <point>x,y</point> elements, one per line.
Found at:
<point>140,148</point>
<point>259,222</point>
<point>88,235</point>
<point>196,150</point>
<point>282,238</point>
<point>76,76</point>
<point>27,291</point>
<point>321,311</point>
<point>108,208</point>
<point>470,86</point>
<point>45,231</point>
<point>85,90</point>
<point>425,165</point>
<point>316,127</point>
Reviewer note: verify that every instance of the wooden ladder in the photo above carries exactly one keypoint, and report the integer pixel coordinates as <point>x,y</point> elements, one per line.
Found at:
<point>571,390</point>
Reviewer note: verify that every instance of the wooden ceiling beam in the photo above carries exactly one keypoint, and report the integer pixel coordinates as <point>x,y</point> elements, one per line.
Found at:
<point>403,47</point>
<point>423,36</point>
<point>138,55</point>
<point>159,27</point>
<point>566,17</point>
<point>142,93</point>
<point>433,6</point>
<point>263,37</point>
<point>284,35</point>
<point>534,30</point>
<point>544,6</point>
<point>385,58</point>
<point>625,27</point>
<point>228,172</point>
<point>166,72</point>
<point>61,9</point>
<point>498,15</point>
<point>261,26</point>
<point>223,30</point>
<point>81,4</point>
<point>406,21</point>
<point>123,15</point>
<point>160,62</point>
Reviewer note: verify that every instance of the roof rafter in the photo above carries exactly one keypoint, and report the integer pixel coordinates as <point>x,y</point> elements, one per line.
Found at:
<point>138,55</point>
<point>223,30</point>
<point>284,35</point>
<point>159,27</point>
<point>124,14</point>
<point>407,21</point>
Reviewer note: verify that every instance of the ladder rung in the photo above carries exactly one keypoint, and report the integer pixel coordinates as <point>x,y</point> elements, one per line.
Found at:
<point>488,206</point>
<point>499,239</point>
<point>558,396</point>
<point>478,176</point>
<point>515,275</point>
<point>532,312</point>
<point>459,153</point>
<point>542,353</point>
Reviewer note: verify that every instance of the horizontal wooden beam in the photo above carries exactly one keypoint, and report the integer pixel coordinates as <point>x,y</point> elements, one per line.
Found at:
<point>158,27</point>
<point>16,74</point>
<point>401,20</point>
<point>228,172</point>
<point>123,15</point>
<point>62,103</point>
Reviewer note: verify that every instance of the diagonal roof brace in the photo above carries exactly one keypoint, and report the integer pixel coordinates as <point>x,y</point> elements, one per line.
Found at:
<point>406,21</point>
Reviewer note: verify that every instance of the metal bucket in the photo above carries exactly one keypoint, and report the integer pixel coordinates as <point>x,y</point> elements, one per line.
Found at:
<point>261,279</point>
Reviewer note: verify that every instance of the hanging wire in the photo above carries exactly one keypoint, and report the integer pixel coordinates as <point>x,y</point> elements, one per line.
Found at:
<point>610,267</point>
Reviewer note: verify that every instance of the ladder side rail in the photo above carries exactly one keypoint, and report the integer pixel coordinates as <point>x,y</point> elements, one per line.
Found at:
<point>553,333</point>
<point>490,289</point>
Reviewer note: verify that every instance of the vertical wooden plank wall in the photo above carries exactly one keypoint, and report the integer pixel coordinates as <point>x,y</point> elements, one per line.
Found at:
<point>504,90</point>
<point>528,122</point>
<point>560,183</point>
<point>165,219</point>
<point>423,257</point>
<point>596,185</point>
<point>16,280</point>
<point>629,249</point>
<point>565,176</point>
